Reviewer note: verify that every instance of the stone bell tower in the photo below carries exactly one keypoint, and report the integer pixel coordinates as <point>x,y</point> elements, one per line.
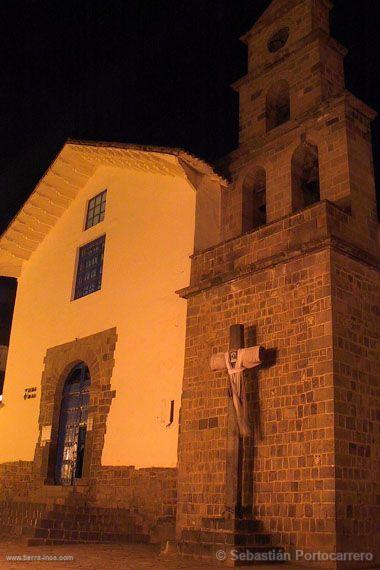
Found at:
<point>297,273</point>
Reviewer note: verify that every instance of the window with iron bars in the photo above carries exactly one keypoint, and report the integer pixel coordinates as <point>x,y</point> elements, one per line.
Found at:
<point>90,268</point>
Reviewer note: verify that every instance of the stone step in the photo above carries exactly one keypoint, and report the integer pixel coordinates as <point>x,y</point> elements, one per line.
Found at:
<point>74,524</point>
<point>53,536</point>
<point>20,518</point>
<point>7,530</point>
<point>89,517</point>
<point>86,508</point>
<point>62,522</point>
<point>66,524</point>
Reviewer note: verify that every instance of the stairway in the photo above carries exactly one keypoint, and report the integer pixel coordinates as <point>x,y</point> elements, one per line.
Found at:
<point>242,540</point>
<point>67,524</point>
<point>19,518</point>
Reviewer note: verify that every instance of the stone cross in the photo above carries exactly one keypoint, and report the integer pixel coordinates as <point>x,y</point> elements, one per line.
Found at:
<point>236,361</point>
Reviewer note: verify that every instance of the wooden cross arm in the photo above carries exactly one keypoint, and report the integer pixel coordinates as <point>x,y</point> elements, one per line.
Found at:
<point>251,357</point>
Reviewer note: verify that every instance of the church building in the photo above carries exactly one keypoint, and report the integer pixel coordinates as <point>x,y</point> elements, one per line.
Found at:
<point>194,354</point>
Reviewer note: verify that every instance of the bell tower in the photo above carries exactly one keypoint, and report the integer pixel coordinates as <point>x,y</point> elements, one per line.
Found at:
<point>293,66</point>
<point>299,123</point>
<point>298,272</point>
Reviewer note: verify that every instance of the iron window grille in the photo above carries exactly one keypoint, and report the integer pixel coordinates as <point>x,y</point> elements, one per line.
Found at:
<point>96,209</point>
<point>90,268</point>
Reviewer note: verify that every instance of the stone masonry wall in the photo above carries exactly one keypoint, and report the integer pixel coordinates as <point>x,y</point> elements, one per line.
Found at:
<point>307,292</point>
<point>302,17</point>
<point>287,309</point>
<point>347,183</point>
<point>310,62</point>
<point>151,492</point>
<point>308,74</point>
<point>16,480</point>
<point>356,326</point>
<point>276,242</point>
<point>273,151</point>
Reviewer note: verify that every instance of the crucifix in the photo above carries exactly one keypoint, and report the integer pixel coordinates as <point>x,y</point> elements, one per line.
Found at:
<point>236,360</point>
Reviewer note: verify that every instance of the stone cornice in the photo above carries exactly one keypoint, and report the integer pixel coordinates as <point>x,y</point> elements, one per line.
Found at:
<point>279,242</point>
<point>331,243</point>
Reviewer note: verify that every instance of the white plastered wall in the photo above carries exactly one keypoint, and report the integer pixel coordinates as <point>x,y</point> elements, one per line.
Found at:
<point>149,229</point>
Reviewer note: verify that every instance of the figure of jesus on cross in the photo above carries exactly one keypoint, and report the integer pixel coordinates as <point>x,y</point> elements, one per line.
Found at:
<point>236,360</point>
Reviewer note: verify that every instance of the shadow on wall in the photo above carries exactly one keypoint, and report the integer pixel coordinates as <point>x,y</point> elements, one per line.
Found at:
<point>8,287</point>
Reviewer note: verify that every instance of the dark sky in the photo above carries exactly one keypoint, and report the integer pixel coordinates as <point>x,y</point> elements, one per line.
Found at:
<point>141,71</point>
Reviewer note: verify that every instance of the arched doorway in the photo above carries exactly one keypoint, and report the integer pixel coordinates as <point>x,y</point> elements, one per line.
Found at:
<point>73,426</point>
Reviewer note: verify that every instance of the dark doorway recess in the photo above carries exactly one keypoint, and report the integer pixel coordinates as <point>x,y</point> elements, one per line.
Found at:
<point>73,426</point>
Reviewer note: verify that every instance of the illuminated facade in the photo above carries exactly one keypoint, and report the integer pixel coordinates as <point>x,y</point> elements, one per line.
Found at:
<point>285,257</point>
<point>99,251</point>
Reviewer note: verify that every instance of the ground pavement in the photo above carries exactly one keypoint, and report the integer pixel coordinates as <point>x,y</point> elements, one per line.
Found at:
<point>99,556</point>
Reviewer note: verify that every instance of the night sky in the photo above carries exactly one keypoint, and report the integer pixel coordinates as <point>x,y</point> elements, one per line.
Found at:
<point>151,72</point>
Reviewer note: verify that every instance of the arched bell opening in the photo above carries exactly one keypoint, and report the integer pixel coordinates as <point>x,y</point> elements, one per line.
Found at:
<point>277,104</point>
<point>305,176</point>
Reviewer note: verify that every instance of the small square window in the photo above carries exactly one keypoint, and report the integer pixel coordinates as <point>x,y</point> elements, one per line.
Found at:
<point>96,209</point>
<point>90,268</point>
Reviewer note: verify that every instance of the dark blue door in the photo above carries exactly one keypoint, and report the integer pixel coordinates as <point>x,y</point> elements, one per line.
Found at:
<point>73,426</point>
